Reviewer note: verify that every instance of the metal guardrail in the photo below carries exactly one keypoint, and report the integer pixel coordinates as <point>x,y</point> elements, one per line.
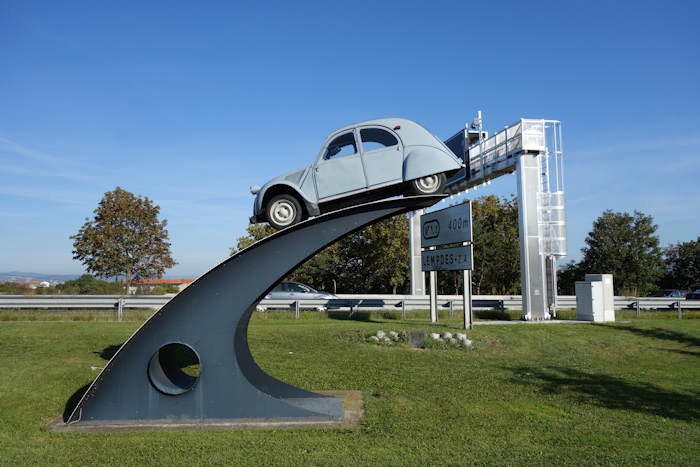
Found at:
<point>343,302</point>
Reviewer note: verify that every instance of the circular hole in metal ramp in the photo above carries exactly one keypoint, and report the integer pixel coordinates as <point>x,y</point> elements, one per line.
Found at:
<point>174,369</point>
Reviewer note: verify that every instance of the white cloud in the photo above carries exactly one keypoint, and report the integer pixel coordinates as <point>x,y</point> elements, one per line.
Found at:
<point>37,171</point>
<point>7,145</point>
<point>49,195</point>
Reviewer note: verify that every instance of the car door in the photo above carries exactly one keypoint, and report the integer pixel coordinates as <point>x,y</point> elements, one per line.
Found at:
<point>382,153</point>
<point>278,292</point>
<point>299,291</point>
<point>339,169</point>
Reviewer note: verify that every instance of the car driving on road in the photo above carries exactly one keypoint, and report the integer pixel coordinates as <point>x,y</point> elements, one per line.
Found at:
<point>363,162</point>
<point>693,295</point>
<point>287,290</point>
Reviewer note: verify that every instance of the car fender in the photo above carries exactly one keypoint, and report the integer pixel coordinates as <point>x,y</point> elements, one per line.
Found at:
<point>283,186</point>
<point>421,161</point>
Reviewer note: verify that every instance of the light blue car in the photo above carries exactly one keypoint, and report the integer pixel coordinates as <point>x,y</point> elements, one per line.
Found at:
<point>363,162</point>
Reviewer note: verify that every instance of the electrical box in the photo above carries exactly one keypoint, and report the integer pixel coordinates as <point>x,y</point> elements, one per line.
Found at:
<point>608,293</point>
<point>589,301</point>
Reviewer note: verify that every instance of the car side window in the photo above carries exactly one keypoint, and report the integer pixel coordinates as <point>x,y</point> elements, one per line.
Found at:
<point>376,138</point>
<point>279,288</point>
<point>298,288</point>
<point>343,145</point>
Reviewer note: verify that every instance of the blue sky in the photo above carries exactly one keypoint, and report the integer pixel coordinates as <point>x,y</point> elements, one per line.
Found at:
<point>190,103</point>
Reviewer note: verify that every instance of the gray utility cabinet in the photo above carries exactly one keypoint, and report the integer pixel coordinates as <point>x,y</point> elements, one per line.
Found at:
<point>608,293</point>
<point>595,298</point>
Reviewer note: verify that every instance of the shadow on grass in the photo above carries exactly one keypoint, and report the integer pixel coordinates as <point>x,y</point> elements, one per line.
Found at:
<point>73,401</point>
<point>108,352</point>
<point>658,333</point>
<point>682,352</point>
<point>495,315</point>
<point>365,316</point>
<point>611,392</point>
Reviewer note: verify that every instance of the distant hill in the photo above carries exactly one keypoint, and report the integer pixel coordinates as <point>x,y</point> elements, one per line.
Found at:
<point>16,276</point>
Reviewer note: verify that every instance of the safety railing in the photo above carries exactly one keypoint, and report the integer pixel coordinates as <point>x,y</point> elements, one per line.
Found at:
<point>349,302</point>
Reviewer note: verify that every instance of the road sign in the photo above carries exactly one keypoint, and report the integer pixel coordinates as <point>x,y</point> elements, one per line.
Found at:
<point>449,225</point>
<point>448,259</point>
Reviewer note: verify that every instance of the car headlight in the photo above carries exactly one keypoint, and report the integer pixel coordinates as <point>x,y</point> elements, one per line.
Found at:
<point>254,189</point>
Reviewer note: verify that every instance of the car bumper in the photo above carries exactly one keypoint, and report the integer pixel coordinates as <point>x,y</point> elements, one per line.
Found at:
<point>256,219</point>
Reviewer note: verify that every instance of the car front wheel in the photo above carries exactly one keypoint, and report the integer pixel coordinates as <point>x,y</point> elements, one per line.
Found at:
<point>283,211</point>
<point>429,185</point>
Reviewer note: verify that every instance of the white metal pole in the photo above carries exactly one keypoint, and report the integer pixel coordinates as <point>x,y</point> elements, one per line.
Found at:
<point>417,277</point>
<point>467,297</point>
<point>433,294</point>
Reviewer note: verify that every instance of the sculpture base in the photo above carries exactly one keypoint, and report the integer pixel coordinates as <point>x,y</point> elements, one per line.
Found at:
<point>352,412</point>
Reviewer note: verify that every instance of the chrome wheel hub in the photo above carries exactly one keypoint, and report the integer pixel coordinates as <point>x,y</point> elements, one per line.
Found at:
<point>282,212</point>
<point>428,184</point>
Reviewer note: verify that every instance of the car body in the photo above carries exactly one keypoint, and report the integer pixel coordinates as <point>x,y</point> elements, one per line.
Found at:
<point>665,293</point>
<point>693,295</point>
<point>671,293</point>
<point>288,290</point>
<point>363,162</point>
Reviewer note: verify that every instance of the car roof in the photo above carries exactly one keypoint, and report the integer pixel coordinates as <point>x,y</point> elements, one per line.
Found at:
<point>411,132</point>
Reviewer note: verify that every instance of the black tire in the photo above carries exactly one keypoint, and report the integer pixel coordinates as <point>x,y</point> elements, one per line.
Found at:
<point>429,185</point>
<point>283,211</point>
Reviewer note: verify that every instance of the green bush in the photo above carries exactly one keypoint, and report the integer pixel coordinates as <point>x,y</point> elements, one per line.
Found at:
<point>88,285</point>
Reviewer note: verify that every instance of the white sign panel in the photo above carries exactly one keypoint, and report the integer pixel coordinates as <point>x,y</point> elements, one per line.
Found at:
<point>448,259</point>
<point>449,225</point>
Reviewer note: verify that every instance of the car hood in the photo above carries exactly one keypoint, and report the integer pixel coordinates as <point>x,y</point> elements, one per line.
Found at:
<point>294,177</point>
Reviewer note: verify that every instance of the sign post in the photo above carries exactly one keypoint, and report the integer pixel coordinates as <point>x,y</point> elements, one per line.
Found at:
<point>467,298</point>
<point>433,294</point>
<point>451,230</point>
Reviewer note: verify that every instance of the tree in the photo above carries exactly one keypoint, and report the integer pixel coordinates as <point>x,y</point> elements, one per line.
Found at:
<point>124,239</point>
<point>372,260</point>
<point>567,276</point>
<point>624,245</point>
<point>375,259</point>
<point>683,265</point>
<point>255,232</point>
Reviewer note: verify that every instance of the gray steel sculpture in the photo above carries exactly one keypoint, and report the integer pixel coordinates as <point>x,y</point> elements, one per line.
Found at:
<point>143,382</point>
<point>363,162</point>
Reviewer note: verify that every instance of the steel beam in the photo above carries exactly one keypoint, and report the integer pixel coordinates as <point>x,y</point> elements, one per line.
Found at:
<point>414,238</point>
<point>533,276</point>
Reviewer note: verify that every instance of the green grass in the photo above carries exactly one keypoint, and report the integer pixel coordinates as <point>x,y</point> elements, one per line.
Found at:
<point>627,393</point>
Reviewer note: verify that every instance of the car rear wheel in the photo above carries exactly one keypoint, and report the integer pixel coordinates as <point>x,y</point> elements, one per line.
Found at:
<point>429,185</point>
<point>283,211</point>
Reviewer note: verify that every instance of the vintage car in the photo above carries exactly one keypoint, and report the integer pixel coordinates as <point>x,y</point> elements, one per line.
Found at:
<point>363,162</point>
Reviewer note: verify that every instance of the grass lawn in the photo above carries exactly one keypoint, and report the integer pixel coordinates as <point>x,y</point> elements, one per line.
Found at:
<point>627,393</point>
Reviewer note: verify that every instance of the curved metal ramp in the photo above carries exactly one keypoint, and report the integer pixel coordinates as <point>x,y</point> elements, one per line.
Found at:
<point>143,384</point>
